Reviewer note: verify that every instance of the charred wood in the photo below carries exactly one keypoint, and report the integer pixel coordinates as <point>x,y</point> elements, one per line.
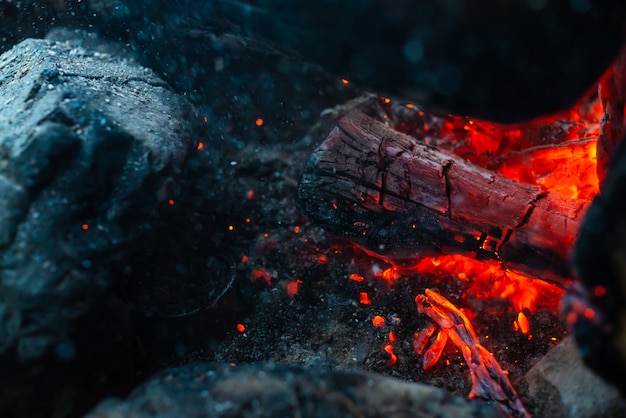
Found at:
<point>402,199</point>
<point>489,381</point>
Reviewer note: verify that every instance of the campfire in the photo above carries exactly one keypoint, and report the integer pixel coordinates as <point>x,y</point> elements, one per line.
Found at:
<point>495,208</point>
<point>200,223</point>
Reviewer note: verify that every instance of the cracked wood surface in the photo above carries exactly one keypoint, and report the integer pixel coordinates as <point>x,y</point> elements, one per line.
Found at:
<point>402,199</point>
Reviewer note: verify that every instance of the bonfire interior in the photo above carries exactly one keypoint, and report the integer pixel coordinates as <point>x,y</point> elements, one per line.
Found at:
<point>307,297</point>
<point>282,288</point>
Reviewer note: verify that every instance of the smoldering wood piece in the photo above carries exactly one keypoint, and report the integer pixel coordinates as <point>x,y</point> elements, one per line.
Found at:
<point>489,381</point>
<point>401,199</point>
<point>272,390</point>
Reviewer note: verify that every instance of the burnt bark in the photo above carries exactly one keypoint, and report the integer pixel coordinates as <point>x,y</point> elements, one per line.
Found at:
<point>401,199</point>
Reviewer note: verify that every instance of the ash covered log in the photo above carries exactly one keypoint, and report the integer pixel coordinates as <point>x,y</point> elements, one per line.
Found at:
<point>271,390</point>
<point>89,145</point>
<point>401,199</point>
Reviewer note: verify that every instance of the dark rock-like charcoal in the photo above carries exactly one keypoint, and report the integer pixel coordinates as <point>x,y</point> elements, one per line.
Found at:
<point>595,306</point>
<point>89,145</point>
<point>270,390</point>
<point>555,386</point>
<point>612,92</point>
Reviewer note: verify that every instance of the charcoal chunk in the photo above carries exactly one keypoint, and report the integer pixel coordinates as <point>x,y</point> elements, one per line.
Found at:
<point>87,142</point>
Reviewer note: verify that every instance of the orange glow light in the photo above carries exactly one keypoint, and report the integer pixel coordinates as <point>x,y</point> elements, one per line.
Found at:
<point>488,279</point>
<point>241,327</point>
<point>392,357</point>
<point>259,122</point>
<point>390,275</point>
<point>599,291</point>
<point>522,322</point>
<point>378,321</point>
<point>85,227</point>
<point>199,146</point>
<point>356,277</point>
<point>260,274</point>
<point>433,354</point>
<point>589,313</point>
<point>364,298</point>
<point>292,287</point>
<point>171,202</point>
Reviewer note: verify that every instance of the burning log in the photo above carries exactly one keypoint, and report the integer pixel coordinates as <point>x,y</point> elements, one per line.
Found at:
<point>401,199</point>
<point>489,381</point>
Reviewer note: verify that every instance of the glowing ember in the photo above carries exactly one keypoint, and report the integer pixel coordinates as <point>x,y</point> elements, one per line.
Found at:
<point>378,321</point>
<point>261,275</point>
<point>356,277</point>
<point>556,155</point>
<point>599,291</point>
<point>489,381</point>
<point>292,287</point>
<point>522,323</point>
<point>488,279</point>
<point>432,355</point>
<point>390,275</point>
<point>392,357</point>
<point>364,298</point>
